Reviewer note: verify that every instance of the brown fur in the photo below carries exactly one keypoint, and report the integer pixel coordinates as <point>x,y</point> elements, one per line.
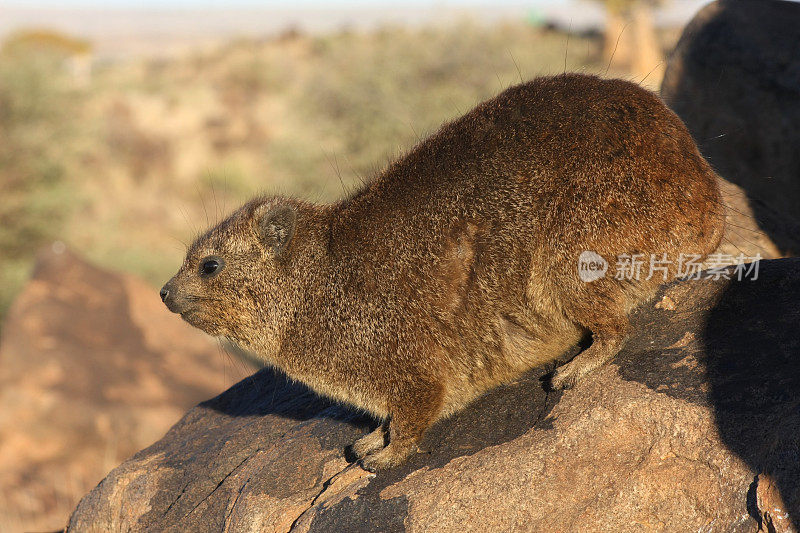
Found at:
<point>456,268</point>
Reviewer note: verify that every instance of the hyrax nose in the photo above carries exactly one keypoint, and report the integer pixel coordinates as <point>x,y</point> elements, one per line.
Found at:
<point>164,293</point>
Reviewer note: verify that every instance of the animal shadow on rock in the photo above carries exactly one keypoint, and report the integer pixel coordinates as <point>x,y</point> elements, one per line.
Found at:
<point>752,341</point>
<point>749,368</point>
<point>492,419</point>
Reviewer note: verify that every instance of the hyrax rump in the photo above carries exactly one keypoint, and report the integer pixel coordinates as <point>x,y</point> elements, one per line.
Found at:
<point>456,268</point>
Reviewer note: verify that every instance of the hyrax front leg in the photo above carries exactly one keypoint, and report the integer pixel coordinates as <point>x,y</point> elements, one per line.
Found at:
<point>371,442</point>
<point>608,335</point>
<point>411,415</point>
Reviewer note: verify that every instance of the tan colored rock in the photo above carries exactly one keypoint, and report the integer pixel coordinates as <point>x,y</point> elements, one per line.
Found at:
<point>92,369</point>
<point>743,234</point>
<point>668,437</point>
<point>773,510</point>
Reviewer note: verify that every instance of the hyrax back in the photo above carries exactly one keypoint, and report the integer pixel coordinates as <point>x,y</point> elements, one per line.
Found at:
<point>457,268</point>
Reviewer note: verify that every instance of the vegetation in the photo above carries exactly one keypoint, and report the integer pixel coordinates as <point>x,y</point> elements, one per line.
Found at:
<point>127,168</point>
<point>34,127</point>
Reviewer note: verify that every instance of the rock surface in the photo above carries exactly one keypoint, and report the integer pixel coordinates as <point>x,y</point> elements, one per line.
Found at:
<point>734,78</point>
<point>668,437</point>
<point>743,234</point>
<point>92,369</point>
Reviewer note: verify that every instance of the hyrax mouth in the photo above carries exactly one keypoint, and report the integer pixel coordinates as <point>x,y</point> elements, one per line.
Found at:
<point>200,319</point>
<point>191,315</point>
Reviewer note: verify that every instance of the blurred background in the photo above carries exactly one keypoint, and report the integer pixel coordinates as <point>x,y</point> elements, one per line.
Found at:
<point>128,127</point>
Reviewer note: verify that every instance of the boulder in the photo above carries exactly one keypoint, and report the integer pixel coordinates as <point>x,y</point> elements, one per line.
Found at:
<point>734,79</point>
<point>92,369</point>
<point>743,234</point>
<point>694,426</point>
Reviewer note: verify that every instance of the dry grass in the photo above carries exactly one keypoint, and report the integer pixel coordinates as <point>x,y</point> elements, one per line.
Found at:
<point>129,168</point>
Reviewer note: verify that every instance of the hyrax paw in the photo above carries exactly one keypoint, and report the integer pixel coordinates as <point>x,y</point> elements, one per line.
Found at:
<point>369,443</point>
<point>385,458</point>
<point>377,461</point>
<point>564,377</point>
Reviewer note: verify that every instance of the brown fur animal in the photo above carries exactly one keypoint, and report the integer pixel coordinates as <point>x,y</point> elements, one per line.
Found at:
<point>456,269</point>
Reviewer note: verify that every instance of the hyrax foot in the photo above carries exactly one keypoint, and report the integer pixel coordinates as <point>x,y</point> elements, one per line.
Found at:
<point>570,374</point>
<point>409,418</point>
<point>607,341</point>
<point>369,443</point>
<point>392,455</point>
<point>567,376</point>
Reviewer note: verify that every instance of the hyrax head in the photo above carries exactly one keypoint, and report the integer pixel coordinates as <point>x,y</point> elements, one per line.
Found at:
<point>236,279</point>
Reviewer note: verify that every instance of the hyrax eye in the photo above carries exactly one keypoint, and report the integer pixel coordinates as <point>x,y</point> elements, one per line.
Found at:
<point>211,266</point>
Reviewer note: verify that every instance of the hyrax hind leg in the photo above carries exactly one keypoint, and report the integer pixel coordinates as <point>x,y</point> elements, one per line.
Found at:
<point>609,328</point>
<point>413,411</point>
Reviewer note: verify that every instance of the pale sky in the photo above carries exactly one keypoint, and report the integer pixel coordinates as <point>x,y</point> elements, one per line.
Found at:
<point>113,25</point>
<point>150,4</point>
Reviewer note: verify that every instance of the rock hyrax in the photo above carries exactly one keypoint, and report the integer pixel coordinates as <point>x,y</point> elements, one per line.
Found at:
<point>456,268</point>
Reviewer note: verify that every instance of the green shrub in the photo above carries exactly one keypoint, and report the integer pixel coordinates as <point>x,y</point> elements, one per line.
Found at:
<point>34,197</point>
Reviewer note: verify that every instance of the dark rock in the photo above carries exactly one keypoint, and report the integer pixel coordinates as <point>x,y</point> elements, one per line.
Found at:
<point>734,79</point>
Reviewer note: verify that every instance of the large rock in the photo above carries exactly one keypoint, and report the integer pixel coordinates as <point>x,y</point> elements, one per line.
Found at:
<point>734,78</point>
<point>92,369</point>
<point>743,234</point>
<point>668,437</point>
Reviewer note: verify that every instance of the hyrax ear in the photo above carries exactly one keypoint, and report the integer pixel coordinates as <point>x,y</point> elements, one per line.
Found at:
<point>275,225</point>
